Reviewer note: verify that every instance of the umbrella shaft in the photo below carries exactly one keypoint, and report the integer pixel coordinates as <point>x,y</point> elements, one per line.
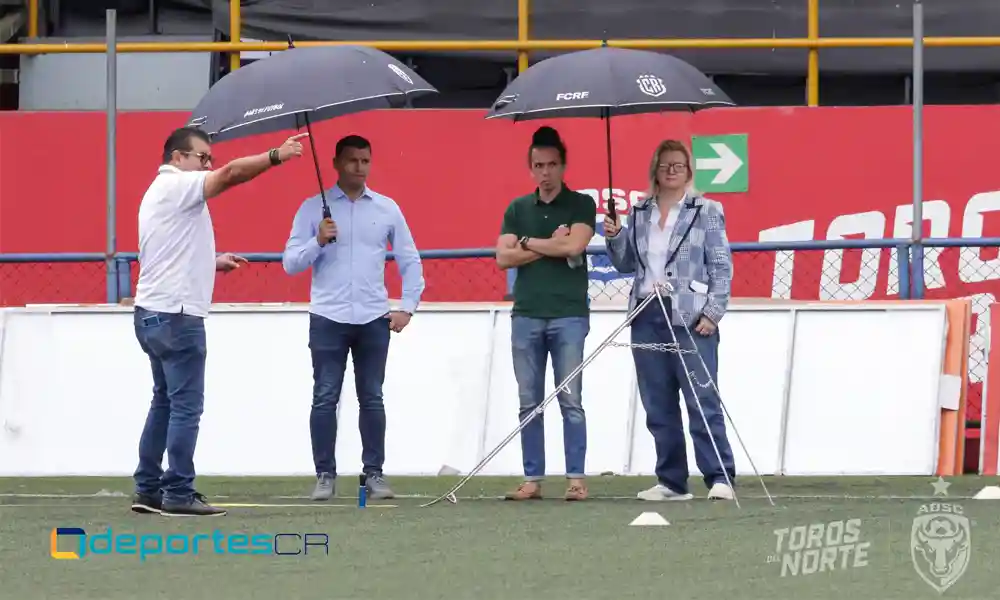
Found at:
<point>612,211</point>
<point>319,174</point>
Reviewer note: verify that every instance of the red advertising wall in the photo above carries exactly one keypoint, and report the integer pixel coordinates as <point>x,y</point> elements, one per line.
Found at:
<point>815,173</point>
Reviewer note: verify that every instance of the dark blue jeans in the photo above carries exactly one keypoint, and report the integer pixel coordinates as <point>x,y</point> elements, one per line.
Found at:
<point>532,341</point>
<point>329,343</point>
<point>176,346</point>
<point>661,378</point>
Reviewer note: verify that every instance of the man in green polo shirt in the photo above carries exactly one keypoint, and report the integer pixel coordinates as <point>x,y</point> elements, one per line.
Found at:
<point>545,236</point>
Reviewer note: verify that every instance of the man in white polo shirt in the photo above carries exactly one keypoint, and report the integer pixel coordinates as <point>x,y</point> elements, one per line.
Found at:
<point>177,275</point>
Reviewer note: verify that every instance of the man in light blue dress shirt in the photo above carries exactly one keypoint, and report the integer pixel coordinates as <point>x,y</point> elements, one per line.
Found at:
<point>349,306</point>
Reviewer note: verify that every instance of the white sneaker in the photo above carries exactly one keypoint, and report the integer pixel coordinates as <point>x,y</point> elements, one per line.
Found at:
<point>720,491</point>
<point>661,493</point>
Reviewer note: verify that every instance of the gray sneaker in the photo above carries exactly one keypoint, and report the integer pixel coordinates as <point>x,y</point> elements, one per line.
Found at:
<point>378,489</point>
<point>326,484</point>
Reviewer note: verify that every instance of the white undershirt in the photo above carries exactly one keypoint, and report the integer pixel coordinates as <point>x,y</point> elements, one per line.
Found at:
<point>659,247</point>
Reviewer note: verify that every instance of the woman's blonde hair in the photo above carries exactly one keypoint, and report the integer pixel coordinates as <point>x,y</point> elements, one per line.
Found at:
<point>654,164</point>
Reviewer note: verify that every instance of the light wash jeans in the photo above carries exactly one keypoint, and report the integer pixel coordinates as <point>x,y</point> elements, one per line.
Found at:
<point>532,342</point>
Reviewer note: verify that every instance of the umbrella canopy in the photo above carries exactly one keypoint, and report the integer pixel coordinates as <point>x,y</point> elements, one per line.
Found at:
<point>606,82</point>
<point>323,82</point>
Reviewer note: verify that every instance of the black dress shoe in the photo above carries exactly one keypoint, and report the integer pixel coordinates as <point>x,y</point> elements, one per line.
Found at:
<point>146,504</point>
<point>196,507</point>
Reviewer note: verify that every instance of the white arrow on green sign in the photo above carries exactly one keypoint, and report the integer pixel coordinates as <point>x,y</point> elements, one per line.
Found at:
<point>721,163</point>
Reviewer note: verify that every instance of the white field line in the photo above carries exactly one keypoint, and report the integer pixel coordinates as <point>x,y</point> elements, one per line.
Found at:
<point>120,495</point>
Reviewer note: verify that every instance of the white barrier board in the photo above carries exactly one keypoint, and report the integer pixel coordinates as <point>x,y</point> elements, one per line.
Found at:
<point>813,389</point>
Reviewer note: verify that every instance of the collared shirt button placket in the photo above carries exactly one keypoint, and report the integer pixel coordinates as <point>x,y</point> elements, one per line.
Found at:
<point>354,303</point>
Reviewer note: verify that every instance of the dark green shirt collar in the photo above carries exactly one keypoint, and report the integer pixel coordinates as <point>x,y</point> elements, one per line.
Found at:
<point>563,192</point>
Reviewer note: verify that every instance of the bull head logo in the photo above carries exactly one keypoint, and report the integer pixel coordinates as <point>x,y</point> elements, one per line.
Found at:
<point>940,546</point>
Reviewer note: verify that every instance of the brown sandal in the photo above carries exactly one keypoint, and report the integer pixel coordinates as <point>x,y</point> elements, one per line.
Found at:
<point>529,490</point>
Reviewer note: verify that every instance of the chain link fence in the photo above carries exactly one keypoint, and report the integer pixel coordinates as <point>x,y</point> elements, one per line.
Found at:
<point>446,279</point>
<point>24,281</point>
<point>955,271</point>
<point>828,274</point>
<point>851,274</point>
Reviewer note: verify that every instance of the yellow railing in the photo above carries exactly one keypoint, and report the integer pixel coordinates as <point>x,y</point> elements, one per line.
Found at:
<point>522,45</point>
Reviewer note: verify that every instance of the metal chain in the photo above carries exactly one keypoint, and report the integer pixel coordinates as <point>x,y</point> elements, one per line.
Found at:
<point>662,347</point>
<point>659,347</point>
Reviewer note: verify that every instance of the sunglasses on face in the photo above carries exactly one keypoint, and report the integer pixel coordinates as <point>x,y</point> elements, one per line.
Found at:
<point>204,157</point>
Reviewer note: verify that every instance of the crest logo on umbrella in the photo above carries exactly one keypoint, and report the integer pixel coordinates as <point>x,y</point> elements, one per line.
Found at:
<point>401,74</point>
<point>504,101</point>
<point>651,85</point>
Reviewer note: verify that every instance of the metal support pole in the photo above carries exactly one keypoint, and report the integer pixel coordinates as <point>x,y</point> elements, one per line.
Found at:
<point>235,35</point>
<point>812,70</point>
<point>917,264</point>
<point>523,6</point>
<point>33,19</point>
<point>111,100</point>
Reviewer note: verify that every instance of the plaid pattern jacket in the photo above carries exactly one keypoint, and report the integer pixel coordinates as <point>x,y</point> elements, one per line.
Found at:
<point>704,257</point>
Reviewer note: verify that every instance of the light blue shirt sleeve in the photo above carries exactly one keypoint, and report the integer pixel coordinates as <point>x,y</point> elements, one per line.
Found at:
<point>302,249</point>
<point>408,260</point>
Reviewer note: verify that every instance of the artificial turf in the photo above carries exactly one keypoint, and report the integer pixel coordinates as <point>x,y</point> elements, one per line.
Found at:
<point>483,548</point>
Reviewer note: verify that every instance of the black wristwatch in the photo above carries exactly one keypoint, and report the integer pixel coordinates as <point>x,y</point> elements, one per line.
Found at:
<point>273,155</point>
<point>524,242</point>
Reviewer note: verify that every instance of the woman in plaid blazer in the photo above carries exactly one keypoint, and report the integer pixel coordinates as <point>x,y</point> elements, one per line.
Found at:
<point>676,236</point>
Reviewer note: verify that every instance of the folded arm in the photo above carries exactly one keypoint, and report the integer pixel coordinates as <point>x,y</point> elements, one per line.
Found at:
<point>408,259</point>
<point>564,246</point>
<point>719,257</point>
<point>510,255</point>
<point>302,248</point>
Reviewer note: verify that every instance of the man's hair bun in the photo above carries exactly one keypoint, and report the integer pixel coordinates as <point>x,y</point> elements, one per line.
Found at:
<point>546,136</point>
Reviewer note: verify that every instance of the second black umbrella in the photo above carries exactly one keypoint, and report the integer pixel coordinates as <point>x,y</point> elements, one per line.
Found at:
<point>605,82</point>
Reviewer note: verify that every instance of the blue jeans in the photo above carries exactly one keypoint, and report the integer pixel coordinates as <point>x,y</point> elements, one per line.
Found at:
<point>176,346</point>
<point>532,341</point>
<point>329,343</point>
<point>661,377</point>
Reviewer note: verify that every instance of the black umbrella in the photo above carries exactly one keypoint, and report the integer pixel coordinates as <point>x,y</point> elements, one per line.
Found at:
<point>300,86</point>
<point>605,82</point>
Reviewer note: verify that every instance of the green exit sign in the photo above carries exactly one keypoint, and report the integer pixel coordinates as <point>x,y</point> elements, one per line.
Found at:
<point>721,162</point>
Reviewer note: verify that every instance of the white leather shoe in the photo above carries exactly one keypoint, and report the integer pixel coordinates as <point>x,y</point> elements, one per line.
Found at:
<point>661,493</point>
<point>720,491</point>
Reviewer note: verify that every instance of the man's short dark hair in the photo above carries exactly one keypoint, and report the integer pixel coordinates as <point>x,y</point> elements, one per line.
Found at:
<point>352,141</point>
<point>180,140</point>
